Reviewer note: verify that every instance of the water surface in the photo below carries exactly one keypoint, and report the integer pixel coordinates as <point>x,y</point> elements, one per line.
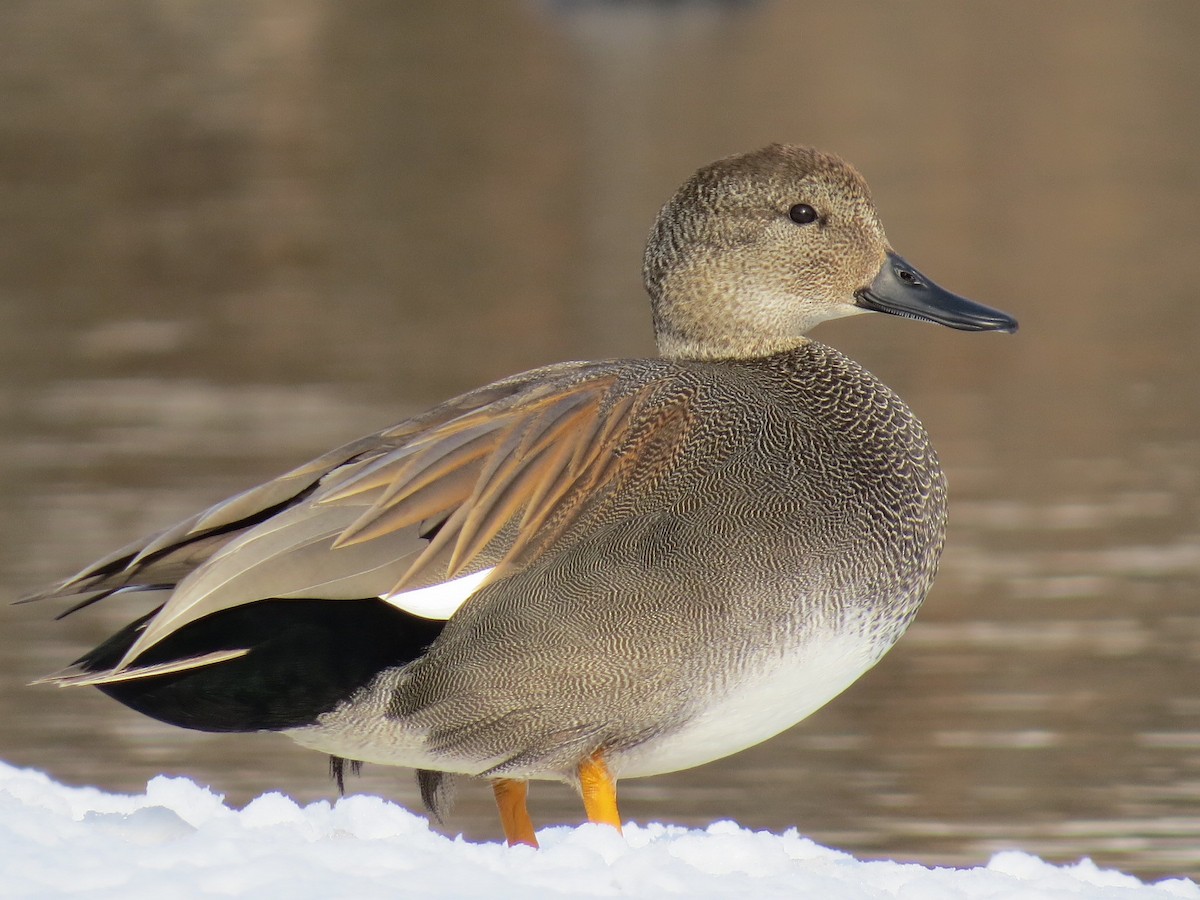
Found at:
<point>239,233</point>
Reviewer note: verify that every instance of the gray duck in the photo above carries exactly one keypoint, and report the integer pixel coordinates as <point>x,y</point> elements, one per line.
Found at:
<point>592,570</point>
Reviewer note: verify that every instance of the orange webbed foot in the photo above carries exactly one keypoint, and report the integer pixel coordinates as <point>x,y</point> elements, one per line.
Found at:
<point>599,791</point>
<point>514,814</point>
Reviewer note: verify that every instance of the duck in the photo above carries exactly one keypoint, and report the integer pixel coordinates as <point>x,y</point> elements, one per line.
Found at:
<point>593,570</point>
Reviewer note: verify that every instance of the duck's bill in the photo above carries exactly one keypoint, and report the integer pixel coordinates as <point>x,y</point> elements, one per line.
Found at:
<point>900,290</point>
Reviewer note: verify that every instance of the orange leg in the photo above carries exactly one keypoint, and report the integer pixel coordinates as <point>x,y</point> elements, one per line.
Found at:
<point>599,791</point>
<point>514,815</point>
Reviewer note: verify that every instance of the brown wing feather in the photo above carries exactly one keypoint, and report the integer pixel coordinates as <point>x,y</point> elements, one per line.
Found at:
<point>503,471</point>
<point>166,557</point>
<point>469,469</point>
<point>479,473</point>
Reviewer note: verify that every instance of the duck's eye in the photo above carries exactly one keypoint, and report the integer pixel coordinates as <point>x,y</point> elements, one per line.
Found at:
<point>803,214</point>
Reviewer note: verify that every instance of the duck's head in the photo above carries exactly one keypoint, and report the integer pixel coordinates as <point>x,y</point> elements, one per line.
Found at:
<point>755,250</point>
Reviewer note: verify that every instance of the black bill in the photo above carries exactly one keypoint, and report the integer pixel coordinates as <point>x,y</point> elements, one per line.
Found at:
<point>900,290</point>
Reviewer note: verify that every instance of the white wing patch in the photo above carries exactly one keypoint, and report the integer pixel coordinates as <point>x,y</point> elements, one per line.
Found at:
<point>439,601</point>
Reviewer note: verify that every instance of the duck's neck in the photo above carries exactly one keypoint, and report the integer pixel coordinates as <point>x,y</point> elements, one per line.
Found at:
<point>676,346</point>
<point>723,320</point>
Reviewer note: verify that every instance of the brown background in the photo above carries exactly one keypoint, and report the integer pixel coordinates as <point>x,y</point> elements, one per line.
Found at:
<point>238,232</point>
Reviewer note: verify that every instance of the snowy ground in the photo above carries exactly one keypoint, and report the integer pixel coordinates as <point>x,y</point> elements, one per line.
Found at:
<point>181,840</point>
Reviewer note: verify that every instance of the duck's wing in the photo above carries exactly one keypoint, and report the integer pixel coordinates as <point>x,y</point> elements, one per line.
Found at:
<point>165,558</point>
<point>443,502</point>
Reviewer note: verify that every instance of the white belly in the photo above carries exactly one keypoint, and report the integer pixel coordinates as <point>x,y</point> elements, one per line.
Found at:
<point>772,700</point>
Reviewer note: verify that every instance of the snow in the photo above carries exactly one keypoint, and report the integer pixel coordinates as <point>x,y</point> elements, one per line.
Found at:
<point>181,840</point>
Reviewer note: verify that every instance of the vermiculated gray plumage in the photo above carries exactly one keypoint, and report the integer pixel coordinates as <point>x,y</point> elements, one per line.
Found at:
<point>842,531</point>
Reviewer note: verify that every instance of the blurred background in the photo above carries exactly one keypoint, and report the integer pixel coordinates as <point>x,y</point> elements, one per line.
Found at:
<point>236,233</point>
